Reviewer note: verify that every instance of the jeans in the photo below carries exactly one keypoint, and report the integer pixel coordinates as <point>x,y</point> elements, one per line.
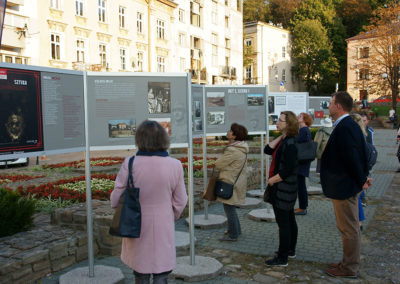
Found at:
<point>287,231</point>
<point>158,278</point>
<point>233,221</point>
<point>302,192</point>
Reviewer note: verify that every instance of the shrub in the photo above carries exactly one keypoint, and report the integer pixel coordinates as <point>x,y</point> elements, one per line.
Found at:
<point>16,212</point>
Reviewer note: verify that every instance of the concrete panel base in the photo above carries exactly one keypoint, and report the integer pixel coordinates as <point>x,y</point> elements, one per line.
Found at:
<point>205,268</point>
<point>250,203</point>
<point>266,214</point>
<point>102,274</point>
<point>256,193</point>
<point>314,190</point>
<point>213,221</point>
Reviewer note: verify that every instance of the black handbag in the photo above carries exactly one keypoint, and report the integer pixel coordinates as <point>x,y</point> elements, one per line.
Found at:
<point>268,193</point>
<point>223,189</point>
<point>306,151</point>
<point>127,220</point>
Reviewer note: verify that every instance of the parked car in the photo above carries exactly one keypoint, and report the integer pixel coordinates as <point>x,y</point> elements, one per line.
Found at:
<point>18,161</point>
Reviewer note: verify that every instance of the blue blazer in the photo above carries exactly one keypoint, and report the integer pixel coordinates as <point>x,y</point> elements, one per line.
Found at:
<point>344,168</point>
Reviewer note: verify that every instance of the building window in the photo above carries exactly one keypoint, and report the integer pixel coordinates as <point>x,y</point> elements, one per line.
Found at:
<point>214,12</point>
<point>160,29</point>
<point>226,2</point>
<point>283,51</point>
<point>182,64</point>
<point>122,11</point>
<point>284,75</point>
<point>181,15</point>
<point>248,72</point>
<point>122,56</point>
<point>214,43</point>
<point>103,54</point>
<point>102,10</point>
<point>79,7</point>
<point>226,21</point>
<point>160,64</point>
<point>140,61</point>
<point>227,43</point>
<point>182,39</point>
<point>363,52</point>
<point>249,42</point>
<point>55,43</point>
<point>363,74</point>
<point>139,22</point>
<point>55,4</point>
<point>80,50</point>
<point>195,14</point>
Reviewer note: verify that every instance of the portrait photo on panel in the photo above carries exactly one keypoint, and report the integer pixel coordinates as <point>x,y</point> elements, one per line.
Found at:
<point>121,128</point>
<point>215,99</point>
<point>255,99</point>
<point>271,104</point>
<point>159,97</point>
<point>216,117</point>
<point>197,109</point>
<point>324,104</point>
<point>198,125</point>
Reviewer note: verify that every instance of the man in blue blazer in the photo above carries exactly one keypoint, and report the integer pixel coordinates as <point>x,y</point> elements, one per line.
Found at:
<point>344,173</point>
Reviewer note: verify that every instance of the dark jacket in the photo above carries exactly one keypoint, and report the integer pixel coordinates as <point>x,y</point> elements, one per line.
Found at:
<point>304,136</point>
<point>284,193</point>
<point>344,168</point>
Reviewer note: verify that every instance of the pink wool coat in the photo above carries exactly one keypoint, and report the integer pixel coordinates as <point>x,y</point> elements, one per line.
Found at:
<point>162,198</point>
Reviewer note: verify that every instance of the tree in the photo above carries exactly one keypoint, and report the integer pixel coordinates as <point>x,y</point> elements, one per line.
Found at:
<point>355,14</point>
<point>282,11</point>
<point>325,12</point>
<point>312,52</point>
<point>383,37</point>
<point>255,10</point>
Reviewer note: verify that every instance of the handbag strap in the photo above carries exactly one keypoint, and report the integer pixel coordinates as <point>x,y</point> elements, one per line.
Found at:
<point>130,177</point>
<point>245,160</point>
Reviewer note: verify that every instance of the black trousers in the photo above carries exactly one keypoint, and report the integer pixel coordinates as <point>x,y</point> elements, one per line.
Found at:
<point>302,192</point>
<point>287,231</point>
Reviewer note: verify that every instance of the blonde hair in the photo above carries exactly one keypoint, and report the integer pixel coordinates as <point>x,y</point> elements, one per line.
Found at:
<point>358,119</point>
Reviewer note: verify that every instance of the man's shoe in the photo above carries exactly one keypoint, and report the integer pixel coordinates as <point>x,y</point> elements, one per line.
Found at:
<point>299,211</point>
<point>227,239</point>
<point>291,254</point>
<point>276,261</point>
<point>338,272</point>
<point>334,264</point>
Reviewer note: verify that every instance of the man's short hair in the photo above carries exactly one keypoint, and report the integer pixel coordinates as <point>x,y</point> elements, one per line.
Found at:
<point>344,99</point>
<point>365,114</point>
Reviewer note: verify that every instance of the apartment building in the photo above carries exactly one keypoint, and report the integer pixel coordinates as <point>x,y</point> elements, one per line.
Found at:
<point>267,49</point>
<point>203,37</point>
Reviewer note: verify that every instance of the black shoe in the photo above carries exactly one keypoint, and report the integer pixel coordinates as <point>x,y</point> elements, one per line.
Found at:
<point>227,239</point>
<point>291,254</point>
<point>276,261</point>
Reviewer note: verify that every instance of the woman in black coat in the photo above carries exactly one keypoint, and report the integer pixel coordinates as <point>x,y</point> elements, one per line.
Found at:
<point>282,186</point>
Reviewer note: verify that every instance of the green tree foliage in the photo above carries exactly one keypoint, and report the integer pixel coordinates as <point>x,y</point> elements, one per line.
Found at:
<point>255,10</point>
<point>312,52</point>
<point>282,11</point>
<point>324,11</point>
<point>354,15</point>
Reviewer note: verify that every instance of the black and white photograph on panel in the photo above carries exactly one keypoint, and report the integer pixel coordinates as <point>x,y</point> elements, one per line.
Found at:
<point>159,97</point>
<point>215,99</point>
<point>216,117</point>
<point>197,109</point>
<point>324,104</point>
<point>255,99</point>
<point>198,125</point>
<point>273,119</point>
<point>164,122</point>
<point>121,128</point>
<point>21,126</point>
<point>271,104</point>
<point>280,100</point>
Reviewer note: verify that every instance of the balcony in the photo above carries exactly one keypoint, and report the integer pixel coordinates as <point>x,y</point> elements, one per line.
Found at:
<point>250,81</point>
<point>12,3</point>
<point>14,31</point>
<point>195,74</point>
<point>225,71</point>
<point>233,72</point>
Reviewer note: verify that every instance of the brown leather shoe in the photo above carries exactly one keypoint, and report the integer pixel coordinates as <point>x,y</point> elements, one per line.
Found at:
<point>338,272</point>
<point>334,264</point>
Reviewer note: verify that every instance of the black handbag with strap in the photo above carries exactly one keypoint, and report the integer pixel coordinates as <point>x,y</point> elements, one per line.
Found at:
<point>127,220</point>
<point>223,189</point>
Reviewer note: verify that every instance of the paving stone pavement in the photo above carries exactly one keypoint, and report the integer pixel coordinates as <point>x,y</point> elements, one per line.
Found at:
<point>318,243</point>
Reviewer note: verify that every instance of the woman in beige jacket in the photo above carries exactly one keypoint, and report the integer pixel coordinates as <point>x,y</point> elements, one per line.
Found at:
<point>231,164</point>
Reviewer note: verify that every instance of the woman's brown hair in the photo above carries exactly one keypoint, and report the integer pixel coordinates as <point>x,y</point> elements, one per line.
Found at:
<point>239,131</point>
<point>151,137</point>
<point>307,119</point>
<point>292,123</point>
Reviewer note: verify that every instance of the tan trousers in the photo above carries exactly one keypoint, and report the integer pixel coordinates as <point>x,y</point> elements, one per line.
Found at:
<point>347,222</point>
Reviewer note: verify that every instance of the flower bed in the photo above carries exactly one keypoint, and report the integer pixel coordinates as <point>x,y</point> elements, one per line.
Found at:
<point>73,189</point>
<point>7,178</point>
<point>197,162</point>
<point>98,162</point>
<point>215,143</point>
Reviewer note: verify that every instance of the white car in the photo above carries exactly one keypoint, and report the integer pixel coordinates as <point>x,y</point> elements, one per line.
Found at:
<point>18,161</point>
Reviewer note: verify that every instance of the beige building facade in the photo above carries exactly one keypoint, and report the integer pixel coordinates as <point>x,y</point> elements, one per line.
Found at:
<point>203,37</point>
<point>267,48</point>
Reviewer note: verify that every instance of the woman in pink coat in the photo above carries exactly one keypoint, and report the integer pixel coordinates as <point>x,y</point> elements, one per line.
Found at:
<point>162,198</point>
